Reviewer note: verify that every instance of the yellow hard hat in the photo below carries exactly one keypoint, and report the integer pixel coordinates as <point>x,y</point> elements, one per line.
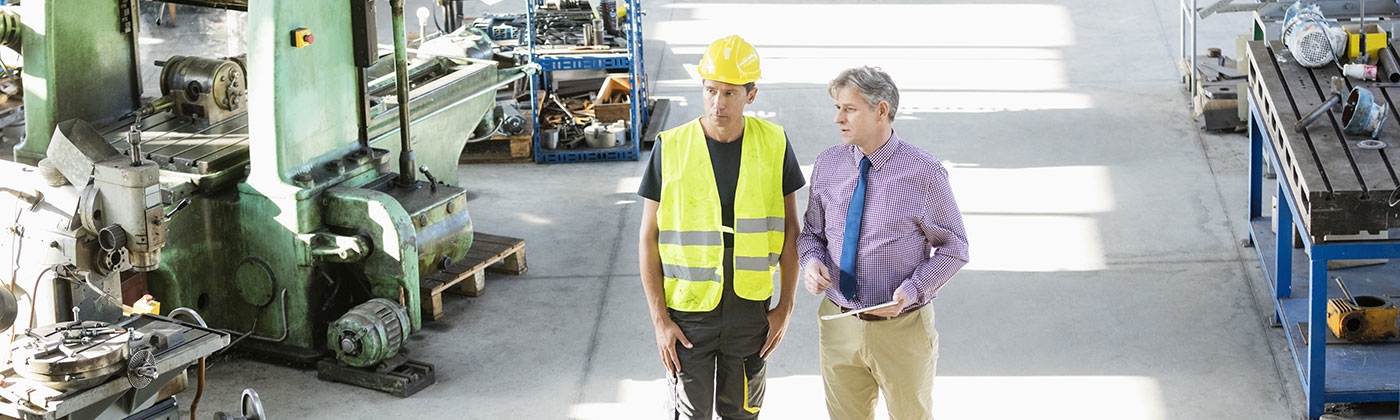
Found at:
<point>730,60</point>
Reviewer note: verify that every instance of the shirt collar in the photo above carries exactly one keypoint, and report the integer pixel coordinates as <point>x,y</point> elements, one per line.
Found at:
<point>881,155</point>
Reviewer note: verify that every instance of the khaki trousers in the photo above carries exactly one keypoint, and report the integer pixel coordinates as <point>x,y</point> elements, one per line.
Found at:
<point>863,358</point>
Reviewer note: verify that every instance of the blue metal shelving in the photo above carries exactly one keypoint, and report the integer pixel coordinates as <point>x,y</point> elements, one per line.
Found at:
<point>1336,372</point>
<point>632,60</point>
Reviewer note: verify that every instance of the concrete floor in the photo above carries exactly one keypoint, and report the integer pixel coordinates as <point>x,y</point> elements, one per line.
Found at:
<point>1107,282</point>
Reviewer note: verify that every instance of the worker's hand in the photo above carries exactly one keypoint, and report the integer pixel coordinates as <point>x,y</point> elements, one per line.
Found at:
<point>900,297</point>
<point>777,326</point>
<point>667,334</point>
<point>816,279</point>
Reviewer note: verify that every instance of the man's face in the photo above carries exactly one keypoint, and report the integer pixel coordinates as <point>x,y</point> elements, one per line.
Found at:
<point>724,103</point>
<point>859,122</point>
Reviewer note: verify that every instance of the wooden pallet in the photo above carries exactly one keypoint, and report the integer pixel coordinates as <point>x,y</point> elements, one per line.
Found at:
<point>467,276</point>
<point>514,149</point>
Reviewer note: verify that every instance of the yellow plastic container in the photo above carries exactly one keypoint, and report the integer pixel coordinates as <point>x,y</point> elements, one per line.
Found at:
<point>1375,40</point>
<point>146,305</point>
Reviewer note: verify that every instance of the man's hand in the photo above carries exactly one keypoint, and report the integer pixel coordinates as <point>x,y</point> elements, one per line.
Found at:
<point>667,333</point>
<point>816,279</point>
<point>896,309</point>
<point>777,326</point>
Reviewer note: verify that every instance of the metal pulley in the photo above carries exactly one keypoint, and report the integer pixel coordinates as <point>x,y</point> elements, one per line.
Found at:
<point>369,333</point>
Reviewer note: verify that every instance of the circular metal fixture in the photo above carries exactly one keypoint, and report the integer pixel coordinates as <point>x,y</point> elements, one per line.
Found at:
<point>222,79</point>
<point>71,355</point>
<point>252,405</point>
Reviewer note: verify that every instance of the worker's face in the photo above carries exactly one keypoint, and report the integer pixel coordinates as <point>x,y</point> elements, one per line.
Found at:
<point>859,122</point>
<point>724,103</point>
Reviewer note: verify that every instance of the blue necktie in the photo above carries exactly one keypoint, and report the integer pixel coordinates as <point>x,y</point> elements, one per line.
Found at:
<point>848,245</point>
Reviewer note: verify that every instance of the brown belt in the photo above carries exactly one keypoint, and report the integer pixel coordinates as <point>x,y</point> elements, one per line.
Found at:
<point>866,316</point>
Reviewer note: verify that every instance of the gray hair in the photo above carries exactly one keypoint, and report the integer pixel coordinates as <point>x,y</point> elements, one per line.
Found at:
<point>872,83</point>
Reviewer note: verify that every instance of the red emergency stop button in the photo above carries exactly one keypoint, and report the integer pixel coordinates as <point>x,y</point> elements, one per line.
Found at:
<point>302,37</point>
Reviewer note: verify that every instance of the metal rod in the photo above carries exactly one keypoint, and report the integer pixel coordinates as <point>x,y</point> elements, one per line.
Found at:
<point>362,107</point>
<point>406,166</point>
<point>1344,290</point>
<point>1317,113</point>
<point>1361,34</point>
<point>1335,96</point>
<point>135,44</point>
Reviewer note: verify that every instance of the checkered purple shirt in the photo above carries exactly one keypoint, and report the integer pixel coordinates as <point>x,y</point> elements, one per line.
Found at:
<point>911,233</point>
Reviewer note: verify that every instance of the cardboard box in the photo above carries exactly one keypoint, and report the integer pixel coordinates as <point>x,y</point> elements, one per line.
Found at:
<point>614,102</point>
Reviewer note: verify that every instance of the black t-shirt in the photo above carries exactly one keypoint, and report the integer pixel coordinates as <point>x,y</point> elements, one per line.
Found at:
<point>724,160</point>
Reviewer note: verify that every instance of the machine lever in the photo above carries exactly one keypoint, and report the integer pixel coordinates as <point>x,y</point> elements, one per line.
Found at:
<point>178,207</point>
<point>432,180</point>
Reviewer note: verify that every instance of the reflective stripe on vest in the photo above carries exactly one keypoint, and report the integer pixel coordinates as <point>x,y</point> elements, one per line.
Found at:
<point>691,240</point>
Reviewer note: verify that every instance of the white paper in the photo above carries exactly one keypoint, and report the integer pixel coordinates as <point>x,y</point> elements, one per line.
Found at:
<point>856,311</point>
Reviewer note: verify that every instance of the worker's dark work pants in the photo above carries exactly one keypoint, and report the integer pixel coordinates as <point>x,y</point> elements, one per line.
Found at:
<point>724,369</point>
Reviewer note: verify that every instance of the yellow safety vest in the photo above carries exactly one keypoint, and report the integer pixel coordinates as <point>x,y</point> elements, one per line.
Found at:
<point>691,240</point>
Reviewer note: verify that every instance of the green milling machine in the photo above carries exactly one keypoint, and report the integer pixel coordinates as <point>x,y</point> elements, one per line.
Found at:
<point>299,203</point>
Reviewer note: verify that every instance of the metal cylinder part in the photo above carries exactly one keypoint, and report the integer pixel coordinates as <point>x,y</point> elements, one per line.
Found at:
<point>223,80</point>
<point>597,32</point>
<point>10,28</point>
<point>1390,70</point>
<point>607,9</point>
<point>111,237</point>
<point>133,143</point>
<point>369,333</point>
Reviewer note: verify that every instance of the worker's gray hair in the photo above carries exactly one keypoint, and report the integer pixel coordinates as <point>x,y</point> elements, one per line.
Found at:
<point>873,84</point>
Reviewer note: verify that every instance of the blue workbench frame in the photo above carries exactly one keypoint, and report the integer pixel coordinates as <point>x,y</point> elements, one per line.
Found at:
<point>1363,372</point>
